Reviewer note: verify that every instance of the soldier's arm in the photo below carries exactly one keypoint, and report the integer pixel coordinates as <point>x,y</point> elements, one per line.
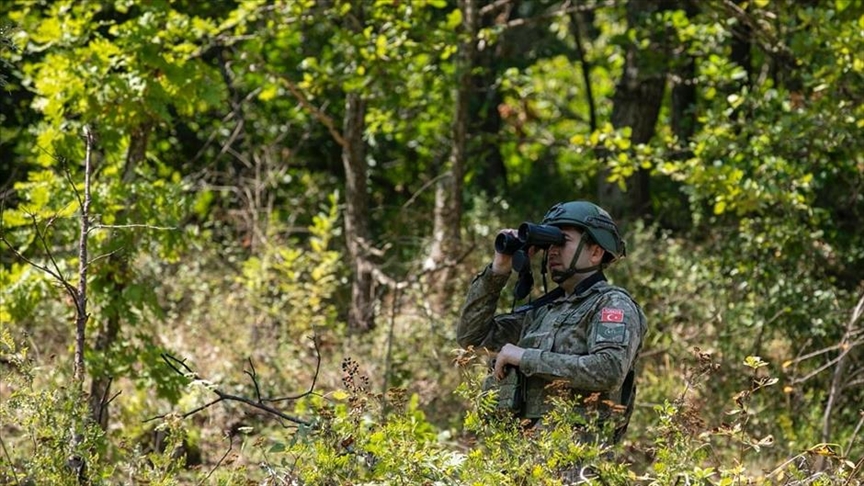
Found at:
<point>478,325</point>
<point>615,336</point>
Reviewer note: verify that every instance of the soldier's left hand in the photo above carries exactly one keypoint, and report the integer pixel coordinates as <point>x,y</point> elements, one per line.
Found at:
<point>509,355</point>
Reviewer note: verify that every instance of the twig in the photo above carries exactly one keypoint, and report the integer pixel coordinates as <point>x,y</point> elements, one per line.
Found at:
<point>855,471</point>
<point>11,465</point>
<point>388,361</point>
<point>837,380</point>
<point>219,462</point>
<point>316,112</point>
<point>102,402</point>
<point>176,365</point>
<point>845,346</point>
<point>783,465</point>
<point>57,273</point>
<point>418,192</point>
<point>30,262</point>
<point>314,377</point>
<point>127,226</point>
<point>103,256</point>
<point>855,434</point>
<point>71,182</point>
<point>252,374</point>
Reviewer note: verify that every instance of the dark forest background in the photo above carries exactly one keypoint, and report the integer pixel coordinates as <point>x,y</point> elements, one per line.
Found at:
<point>236,234</point>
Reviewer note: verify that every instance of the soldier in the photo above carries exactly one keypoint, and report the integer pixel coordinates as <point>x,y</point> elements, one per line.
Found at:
<point>586,333</point>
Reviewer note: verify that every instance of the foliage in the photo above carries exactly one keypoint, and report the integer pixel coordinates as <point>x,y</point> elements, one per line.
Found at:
<point>54,421</point>
<point>217,234</point>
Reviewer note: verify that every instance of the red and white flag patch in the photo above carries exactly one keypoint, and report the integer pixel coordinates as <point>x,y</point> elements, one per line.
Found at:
<point>609,314</point>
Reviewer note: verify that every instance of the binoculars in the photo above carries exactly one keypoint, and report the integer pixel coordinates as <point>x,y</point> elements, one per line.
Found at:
<point>528,235</point>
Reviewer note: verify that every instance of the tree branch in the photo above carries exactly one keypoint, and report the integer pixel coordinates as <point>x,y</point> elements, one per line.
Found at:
<point>9,459</point>
<point>314,377</point>
<point>316,112</point>
<point>180,367</point>
<point>128,226</point>
<point>219,462</point>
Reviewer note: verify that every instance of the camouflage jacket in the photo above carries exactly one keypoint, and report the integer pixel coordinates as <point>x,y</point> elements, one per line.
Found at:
<point>590,339</point>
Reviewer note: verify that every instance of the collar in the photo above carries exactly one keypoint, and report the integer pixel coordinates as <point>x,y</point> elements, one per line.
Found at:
<point>589,282</point>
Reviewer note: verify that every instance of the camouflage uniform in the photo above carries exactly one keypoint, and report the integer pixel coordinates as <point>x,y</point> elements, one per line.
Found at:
<point>590,339</point>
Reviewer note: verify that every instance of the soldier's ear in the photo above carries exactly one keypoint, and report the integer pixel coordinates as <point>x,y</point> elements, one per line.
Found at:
<point>597,252</point>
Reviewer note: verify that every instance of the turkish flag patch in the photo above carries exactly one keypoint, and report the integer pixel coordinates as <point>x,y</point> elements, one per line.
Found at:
<point>609,314</point>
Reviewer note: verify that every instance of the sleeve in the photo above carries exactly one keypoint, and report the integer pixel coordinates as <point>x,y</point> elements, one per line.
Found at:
<point>616,328</point>
<point>478,325</point>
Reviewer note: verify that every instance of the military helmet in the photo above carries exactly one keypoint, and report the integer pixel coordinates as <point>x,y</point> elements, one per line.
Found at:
<point>593,219</point>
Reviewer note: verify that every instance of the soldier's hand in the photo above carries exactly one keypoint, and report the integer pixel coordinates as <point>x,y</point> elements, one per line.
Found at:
<point>509,355</point>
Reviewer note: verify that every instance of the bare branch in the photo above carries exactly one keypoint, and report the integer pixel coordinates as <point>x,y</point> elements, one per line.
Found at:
<point>9,459</point>
<point>316,112</point>
<point>71,182</point>
<point>838,378</point>
<point>128,226</point>
<point>28,261</point>
<point>103,256</point>
<point>854,436</point>
<point>176,365</point>
<point>41,236</point>
<point>252,374</point>
<point>812,355</point>
<point>104,401</point>
<point>171,360</point>
<point>219,462</point>
<point>314,377</point>
<point>855,471</point>
<point>846,347</point>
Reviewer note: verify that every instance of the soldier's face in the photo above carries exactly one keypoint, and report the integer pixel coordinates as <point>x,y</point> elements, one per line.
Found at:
<point>560,256</point>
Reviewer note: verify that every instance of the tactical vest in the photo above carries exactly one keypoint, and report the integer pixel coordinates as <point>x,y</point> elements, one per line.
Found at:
<point>529,397</point>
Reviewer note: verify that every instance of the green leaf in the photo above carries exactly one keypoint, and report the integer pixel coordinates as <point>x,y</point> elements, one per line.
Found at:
<point>454,19</point>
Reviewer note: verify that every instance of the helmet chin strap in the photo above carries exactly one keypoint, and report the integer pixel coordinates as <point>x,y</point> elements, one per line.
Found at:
<point>559,277</point>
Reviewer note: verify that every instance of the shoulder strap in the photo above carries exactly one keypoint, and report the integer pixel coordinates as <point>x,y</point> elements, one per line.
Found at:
<point>544,299</point>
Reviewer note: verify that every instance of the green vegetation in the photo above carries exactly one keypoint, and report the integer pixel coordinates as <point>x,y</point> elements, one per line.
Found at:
<point>235,235</point>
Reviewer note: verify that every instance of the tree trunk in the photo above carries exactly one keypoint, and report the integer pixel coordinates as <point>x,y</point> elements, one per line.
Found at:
<point>577,26</point>
<point>446,233</point>
<point>81,315</point>
<point>486,102</point>
<point>636,104</point>
<point>683,116</point>
<point>361,315</point>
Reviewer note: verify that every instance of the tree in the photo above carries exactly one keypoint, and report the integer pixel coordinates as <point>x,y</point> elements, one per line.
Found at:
<point>638,98</point>
<point>111,76</point>
<point>446,230</point>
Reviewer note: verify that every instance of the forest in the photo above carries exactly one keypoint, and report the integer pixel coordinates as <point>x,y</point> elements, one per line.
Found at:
<point>236,235</point>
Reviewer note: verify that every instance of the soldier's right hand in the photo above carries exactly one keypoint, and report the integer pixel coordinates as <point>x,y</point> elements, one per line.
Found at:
<point>503,264</point>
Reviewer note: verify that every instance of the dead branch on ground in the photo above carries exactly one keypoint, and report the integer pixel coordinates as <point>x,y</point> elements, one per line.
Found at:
<point>259,402</point>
